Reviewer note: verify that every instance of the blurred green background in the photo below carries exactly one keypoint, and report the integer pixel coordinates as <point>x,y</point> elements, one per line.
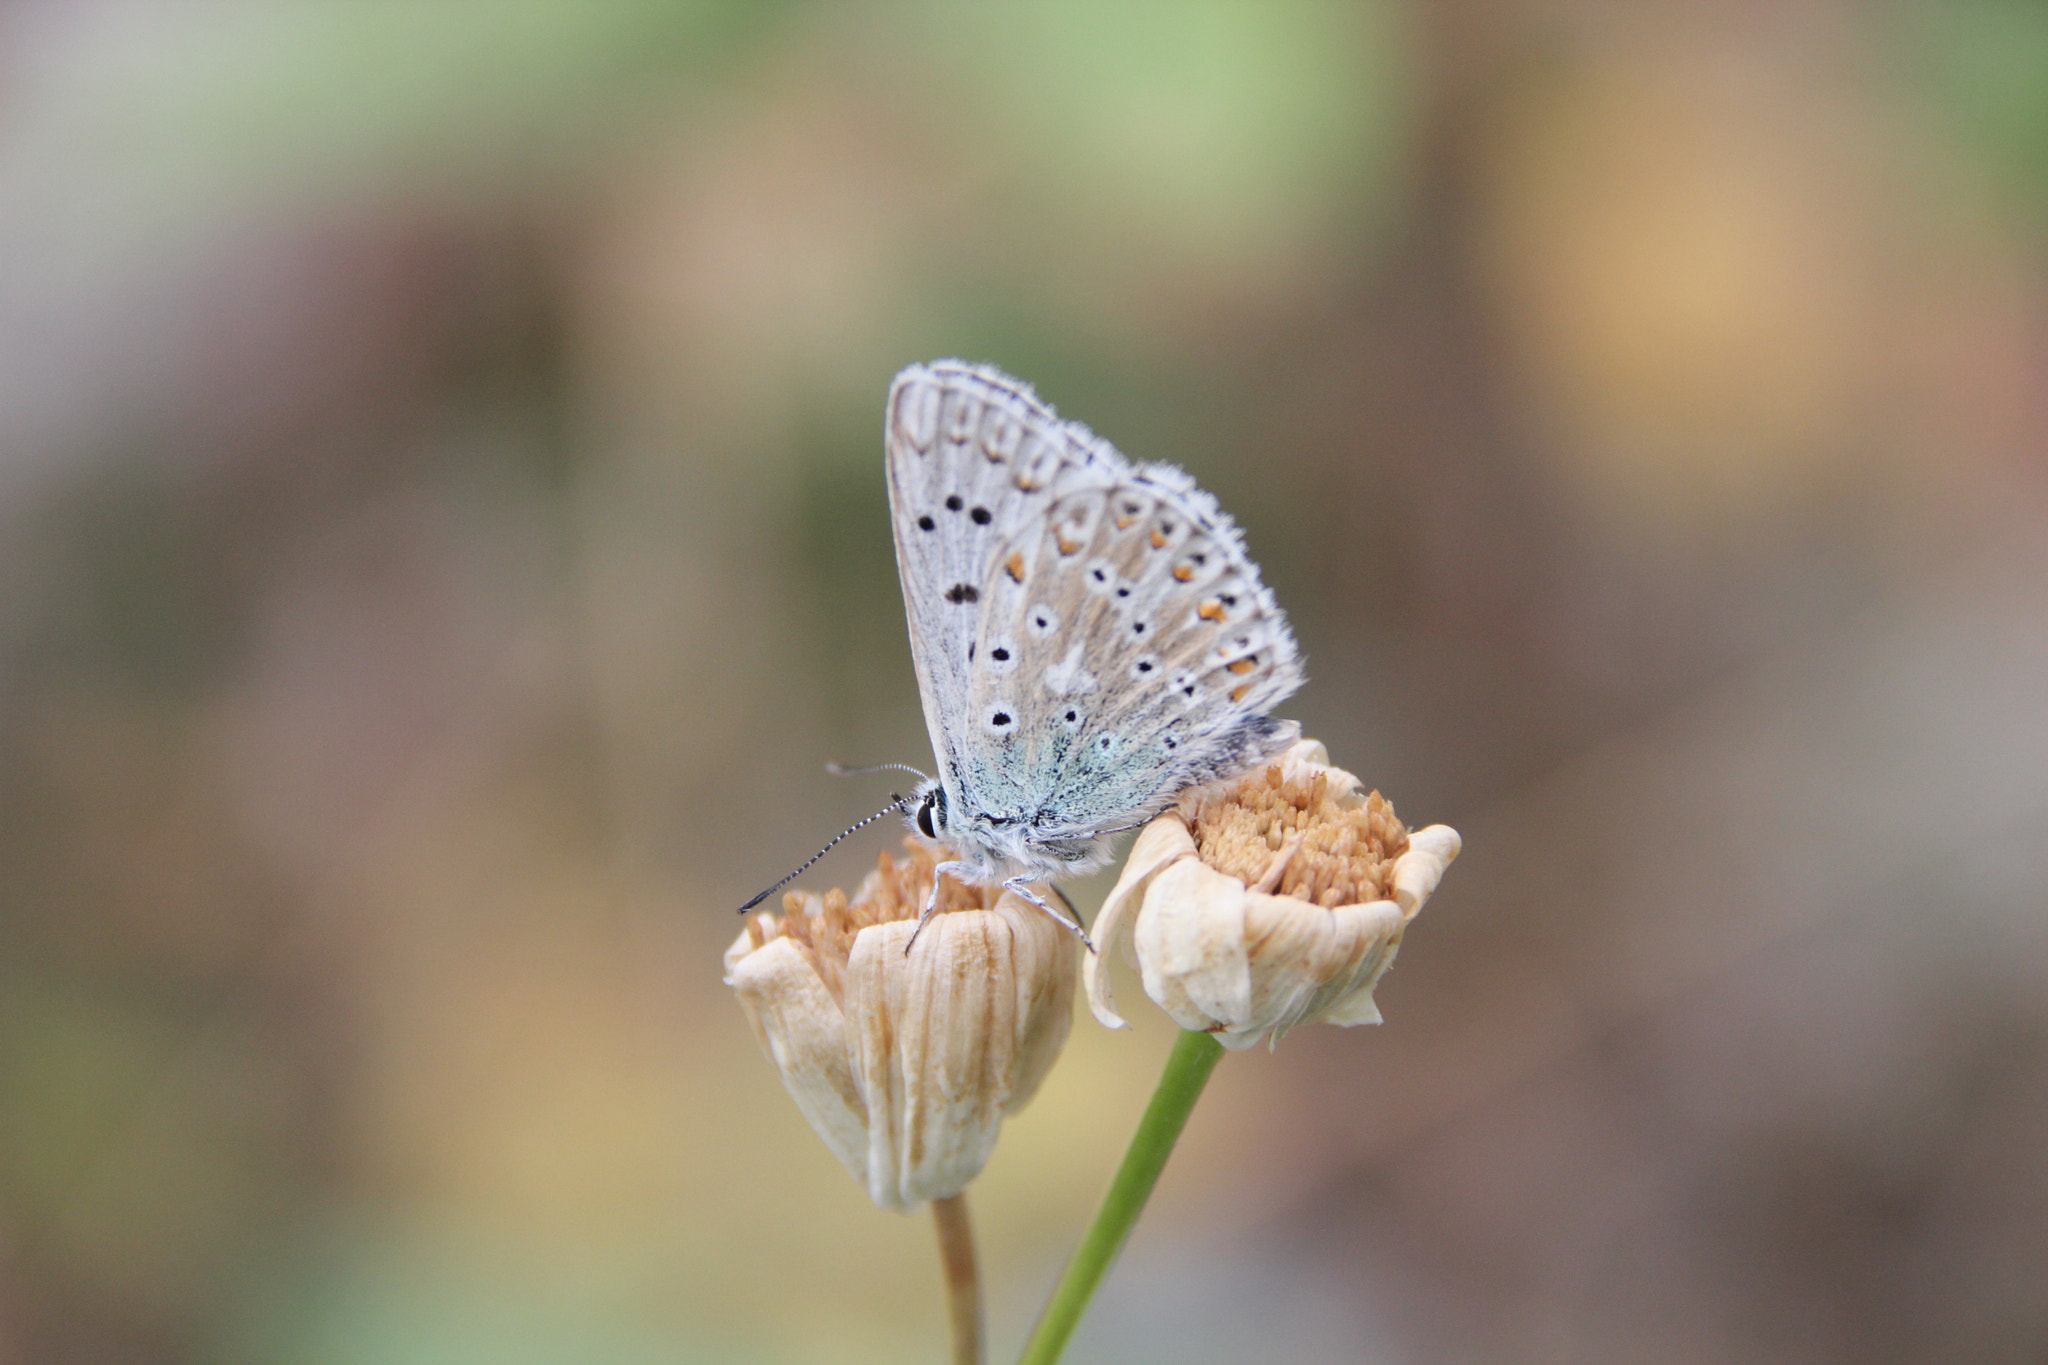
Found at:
<point>442,537</point>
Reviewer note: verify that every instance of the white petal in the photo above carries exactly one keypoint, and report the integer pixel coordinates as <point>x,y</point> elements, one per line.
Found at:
<point>888,1002</point>
<point>1190,943</point>
<point>1158,844</point>
<point>1374,929</point>
<point>1309,964</point>
<point>1043,967</point>
<point>1358,1008</point>
<point>951,1037</point>
<point>1417,871</point>
<point>804,1032</point>
<point>1308,751</point>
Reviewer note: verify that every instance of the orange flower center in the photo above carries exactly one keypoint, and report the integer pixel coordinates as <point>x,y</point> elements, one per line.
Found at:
<point>825,926</point>
<point>1344,845</point>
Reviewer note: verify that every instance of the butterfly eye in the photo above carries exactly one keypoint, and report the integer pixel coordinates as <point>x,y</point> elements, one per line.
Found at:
<point>924,819</point>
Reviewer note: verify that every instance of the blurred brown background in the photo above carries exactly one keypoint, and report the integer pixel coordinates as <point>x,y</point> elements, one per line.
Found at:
<point>442,537</point>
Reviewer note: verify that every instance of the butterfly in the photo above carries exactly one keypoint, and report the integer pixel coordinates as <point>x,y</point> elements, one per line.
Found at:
<point>1090,637</point>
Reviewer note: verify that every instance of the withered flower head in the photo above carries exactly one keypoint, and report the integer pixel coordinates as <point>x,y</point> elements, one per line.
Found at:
<point>1277,900</point>
<point>905,1064</point>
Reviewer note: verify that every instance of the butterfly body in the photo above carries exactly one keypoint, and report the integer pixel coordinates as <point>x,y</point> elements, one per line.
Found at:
<point>1089,635</point>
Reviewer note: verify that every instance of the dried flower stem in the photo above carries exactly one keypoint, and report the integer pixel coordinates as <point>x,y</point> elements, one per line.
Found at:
<point>963,1277</point>
<point>1188,1066</point>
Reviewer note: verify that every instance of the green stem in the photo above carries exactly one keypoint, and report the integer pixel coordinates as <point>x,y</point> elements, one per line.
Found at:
<point>1188,1066</point>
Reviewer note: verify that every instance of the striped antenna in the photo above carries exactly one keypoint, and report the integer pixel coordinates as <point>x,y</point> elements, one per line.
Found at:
<point>841,770</point>
<point>896,804</point>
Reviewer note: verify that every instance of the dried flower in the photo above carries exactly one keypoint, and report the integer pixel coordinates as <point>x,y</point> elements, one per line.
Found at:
<point>905,1064</point>
<point>1275,901</point>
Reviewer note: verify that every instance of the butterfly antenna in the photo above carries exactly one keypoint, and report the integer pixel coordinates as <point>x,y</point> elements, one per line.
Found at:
<point>841,770</point>
<point>895,805</point>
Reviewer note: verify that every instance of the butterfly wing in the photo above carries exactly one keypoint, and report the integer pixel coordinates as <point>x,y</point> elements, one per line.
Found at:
<point>1147,652</point>
<point>971,456</point>
<point>1090,637</point>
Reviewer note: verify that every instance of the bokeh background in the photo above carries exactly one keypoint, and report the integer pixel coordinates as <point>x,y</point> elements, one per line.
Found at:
<point>442,538</point>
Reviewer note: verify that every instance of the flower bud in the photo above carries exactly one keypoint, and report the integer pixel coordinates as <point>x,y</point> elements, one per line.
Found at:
<point>906,1063</point>
<point>1277,900</point>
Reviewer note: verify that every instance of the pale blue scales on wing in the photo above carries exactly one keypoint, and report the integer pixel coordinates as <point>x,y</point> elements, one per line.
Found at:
<point>1090,637</point>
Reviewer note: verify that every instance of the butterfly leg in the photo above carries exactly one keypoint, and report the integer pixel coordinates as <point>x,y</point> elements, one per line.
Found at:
<point>960,872</point>
<point>1069,921</point>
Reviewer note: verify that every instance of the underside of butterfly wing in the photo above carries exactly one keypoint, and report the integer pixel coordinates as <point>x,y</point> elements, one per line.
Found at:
<point>1090,637</point>
<point>1146,653</point>
<point>972,455</point>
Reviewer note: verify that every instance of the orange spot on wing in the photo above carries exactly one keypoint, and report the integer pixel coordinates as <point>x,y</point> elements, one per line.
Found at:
<point>1210,611</point>
<point>1238,693</point>
<point>1246,664</point>
<point>1158,541</point>
<point>1123,523</point>
<point>1183,572</point>
<point>1015,565</point>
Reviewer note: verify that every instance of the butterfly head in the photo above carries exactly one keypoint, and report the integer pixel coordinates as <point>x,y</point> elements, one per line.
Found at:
<point>977,850</point>
<point>925,812</point>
